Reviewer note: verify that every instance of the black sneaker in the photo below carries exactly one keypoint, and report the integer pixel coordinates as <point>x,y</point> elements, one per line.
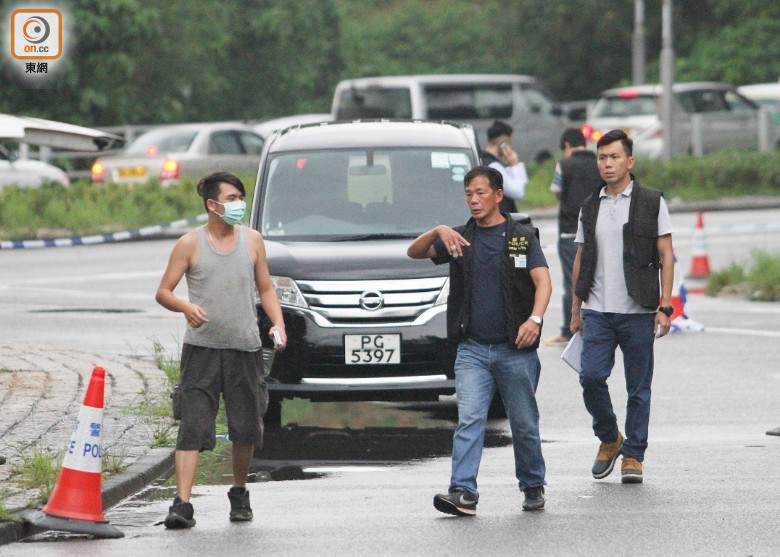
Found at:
<point>180,515</point>
<point>458,503</point>
<point>240,511</point>
<point>534,498</point>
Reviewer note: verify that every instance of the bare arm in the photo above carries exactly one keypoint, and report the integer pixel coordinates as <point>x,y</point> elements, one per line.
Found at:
<point>666,256</point>
<point>268,297</point>
<point>183,256</point>
<point>576,304</point>
<point>422,246</point>
<point>529,331</point>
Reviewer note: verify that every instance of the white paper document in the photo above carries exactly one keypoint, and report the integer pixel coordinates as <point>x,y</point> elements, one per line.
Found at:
<point>573,352</point>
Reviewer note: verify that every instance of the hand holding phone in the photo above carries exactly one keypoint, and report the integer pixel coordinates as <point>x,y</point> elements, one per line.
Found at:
<point>277,338</point>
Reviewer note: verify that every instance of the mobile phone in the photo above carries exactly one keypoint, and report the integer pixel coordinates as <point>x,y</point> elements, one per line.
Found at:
<point>277,338</point>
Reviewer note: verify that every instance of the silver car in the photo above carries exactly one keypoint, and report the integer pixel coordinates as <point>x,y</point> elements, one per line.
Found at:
<point>168,153</point>
<point>725,118</point>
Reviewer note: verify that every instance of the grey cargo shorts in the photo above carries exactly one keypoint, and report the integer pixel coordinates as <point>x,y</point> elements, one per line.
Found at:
<point>236,375</point>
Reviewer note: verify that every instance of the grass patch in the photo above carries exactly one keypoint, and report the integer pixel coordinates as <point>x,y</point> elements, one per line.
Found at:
<point>39,469</point>
<point>758,280</point>
<point>5,514</point>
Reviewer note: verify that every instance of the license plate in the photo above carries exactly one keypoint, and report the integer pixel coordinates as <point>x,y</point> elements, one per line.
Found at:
<point>132,172</point>
<point>372,349</point>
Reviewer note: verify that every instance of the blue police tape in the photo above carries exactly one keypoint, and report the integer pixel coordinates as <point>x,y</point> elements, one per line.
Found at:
<point>102,238</point>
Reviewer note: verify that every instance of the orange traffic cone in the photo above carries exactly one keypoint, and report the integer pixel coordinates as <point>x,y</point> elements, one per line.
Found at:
<point>76,503</point>
<point>700,264</point>
<point>681,322</point>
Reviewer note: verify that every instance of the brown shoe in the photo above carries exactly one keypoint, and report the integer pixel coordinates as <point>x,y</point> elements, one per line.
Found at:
<point>632,471</point>
<point>557,340</point>
<point>605,460</point>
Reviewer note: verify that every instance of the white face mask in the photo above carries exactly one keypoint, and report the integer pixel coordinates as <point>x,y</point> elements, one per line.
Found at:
<point>234,211</point>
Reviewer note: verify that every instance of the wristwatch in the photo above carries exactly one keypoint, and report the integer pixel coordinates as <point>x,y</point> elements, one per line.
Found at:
<point>666,310</point>
<point>536,319</point>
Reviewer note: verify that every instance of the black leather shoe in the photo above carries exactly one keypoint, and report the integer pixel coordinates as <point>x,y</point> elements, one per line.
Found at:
<point>534,498</point>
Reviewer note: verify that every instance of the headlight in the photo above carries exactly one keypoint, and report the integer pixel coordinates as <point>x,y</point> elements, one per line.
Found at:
<point>445,292</point>
<point>287,292</point>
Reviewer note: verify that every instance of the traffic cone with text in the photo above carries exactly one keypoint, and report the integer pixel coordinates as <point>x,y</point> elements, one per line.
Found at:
<point>76,503</point>
<point>681,322</point>
<point>700,263</point>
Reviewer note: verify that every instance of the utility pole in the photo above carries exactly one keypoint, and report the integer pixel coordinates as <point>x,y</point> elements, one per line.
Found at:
<point>667,78</point>
<point>638,48</point>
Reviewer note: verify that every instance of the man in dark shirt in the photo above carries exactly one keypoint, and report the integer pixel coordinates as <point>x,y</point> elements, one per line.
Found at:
<point>499,291</point>
<point>576,177</point>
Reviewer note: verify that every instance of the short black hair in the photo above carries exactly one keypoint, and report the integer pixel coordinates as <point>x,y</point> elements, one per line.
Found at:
<point>208,186</point>
<point>572,136</point>
<point>497,129</point>
<point>494,177</point>
<point>617,135</point>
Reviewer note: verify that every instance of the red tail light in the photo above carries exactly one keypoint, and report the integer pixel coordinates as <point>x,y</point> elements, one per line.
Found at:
<point>587,131</point>
<point>630,94</point>
<point>98,173</point>
<point>170,171</point>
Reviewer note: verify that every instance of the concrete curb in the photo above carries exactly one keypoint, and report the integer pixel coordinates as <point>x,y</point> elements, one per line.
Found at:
<point>155,464</point>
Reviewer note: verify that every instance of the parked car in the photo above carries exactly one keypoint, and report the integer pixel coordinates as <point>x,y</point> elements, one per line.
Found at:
<point>475,99</point>
<point>338,205</point>
<point>265,128</point>
<point>171,152</point>
<point>728,119</point>
<point>27,173</point>
<point>49,133</point>
<point>765,95</point>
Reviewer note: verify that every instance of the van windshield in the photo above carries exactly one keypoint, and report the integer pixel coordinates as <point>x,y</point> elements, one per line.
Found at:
<point>371,102</point>
<point>336,194</point>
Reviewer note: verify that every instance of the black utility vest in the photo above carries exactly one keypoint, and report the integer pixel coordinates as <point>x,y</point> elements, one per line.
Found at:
<point>641,265</point>
<point>516,284</point>
<point>580,175</point>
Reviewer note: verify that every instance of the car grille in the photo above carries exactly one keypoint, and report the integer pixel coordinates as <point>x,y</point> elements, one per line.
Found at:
<point>371,302</point>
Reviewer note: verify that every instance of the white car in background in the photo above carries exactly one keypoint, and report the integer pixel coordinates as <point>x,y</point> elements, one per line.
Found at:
<point>728,119</point>
<point>36,131</point>
<point>765,95</point>
<point>27,173</point>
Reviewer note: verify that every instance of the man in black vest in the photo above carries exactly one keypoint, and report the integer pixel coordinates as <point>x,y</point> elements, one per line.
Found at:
<point>499,290</point>
<point>625,243</point>
<point>576,177</point>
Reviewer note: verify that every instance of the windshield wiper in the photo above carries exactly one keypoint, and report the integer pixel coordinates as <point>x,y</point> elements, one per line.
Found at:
<point>378,236</point>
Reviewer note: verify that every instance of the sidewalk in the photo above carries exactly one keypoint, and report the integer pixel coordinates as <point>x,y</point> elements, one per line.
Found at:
<point>41,392</point>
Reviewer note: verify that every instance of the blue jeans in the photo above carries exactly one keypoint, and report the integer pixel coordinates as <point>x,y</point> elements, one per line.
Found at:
<point>479,370</point>
<point>602,334</point>
<point>567,251</point>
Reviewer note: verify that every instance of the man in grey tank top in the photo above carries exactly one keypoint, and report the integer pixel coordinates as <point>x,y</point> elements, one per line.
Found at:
<point>224,265</point>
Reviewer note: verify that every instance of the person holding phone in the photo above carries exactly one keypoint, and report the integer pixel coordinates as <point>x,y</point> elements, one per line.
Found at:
<point>499,155</point>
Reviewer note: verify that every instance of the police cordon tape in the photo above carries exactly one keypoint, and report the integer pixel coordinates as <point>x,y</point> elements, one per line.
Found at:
<point>103,238</point>
<point>544,231</point>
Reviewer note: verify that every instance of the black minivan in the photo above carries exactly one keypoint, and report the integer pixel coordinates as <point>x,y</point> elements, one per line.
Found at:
<point>338,204</point>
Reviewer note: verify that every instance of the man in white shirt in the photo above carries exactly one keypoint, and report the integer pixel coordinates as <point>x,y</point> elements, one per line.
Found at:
<point>625,247</point>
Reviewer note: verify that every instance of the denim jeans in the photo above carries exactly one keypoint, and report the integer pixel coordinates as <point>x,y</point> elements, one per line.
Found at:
<point>602,334</point>
<point>480,369</point>
<point>567,251</point>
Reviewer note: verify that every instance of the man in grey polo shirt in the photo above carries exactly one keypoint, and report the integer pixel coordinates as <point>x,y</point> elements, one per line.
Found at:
<point>625,244</point>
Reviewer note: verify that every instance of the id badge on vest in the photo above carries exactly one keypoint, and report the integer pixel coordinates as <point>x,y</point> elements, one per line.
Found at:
<point>518,251</point>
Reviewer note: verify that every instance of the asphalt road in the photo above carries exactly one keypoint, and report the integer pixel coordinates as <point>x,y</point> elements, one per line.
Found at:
<point>711,476</point>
